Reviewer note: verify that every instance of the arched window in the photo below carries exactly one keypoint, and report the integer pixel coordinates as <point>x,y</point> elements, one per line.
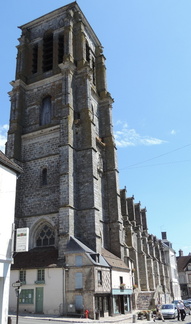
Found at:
<point>44,177</point>
<point>45,113</point>
<point>45,237</point>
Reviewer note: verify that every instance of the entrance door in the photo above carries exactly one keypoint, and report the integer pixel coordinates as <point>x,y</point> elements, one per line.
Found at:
<point>122,304</point>
<point>39,300</point>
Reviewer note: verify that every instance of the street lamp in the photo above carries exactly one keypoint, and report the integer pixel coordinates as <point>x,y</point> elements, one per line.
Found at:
<point>17,285</point>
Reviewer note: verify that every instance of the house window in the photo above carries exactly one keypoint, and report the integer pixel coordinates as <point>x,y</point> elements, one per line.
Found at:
<point>95,257</point>
<point>79,303</point>
<point>99,277</point>
<point>44,177</point>
<point>26,296</point>
<point>78,260</point>
<point>60,48</point>
<point>48,52</point>
<point>120,280</point>
<point>22,276</point>
<point>40,276</point>
<point>35,58</point>
<point>78,280</point>
<point>45,111</point>
<point>45,237</point>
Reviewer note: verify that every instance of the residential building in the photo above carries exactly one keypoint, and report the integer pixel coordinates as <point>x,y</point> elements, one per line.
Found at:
<point>9,172</point>
<point>184,273</point>
<point>170,259</point>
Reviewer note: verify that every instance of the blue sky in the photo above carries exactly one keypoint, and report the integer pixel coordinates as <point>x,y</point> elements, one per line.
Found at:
<point>147,45</point>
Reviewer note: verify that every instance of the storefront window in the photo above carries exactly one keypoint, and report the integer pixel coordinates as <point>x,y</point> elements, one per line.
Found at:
<point>116,304</point>
<point>126,304</point>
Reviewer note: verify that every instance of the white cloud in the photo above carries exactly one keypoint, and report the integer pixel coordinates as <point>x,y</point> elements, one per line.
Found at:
<point>173,132</point>
<point>3,136</point>
<point>129,137</point>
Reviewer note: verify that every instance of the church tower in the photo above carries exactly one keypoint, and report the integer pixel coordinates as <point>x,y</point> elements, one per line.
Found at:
<point>61,135</point>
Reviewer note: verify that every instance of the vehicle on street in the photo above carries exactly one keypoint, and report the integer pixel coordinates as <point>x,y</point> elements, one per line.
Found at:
<point>169,310</point>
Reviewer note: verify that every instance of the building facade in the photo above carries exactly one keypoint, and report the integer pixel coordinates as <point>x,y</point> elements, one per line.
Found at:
<point>89,243</point>
<point>155,275</point>
<point>61,134</point>
<point>184,273</point>
<point>8,178</point>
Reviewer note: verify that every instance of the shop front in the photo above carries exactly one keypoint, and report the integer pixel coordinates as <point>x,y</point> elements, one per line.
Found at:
<point>121,301</point>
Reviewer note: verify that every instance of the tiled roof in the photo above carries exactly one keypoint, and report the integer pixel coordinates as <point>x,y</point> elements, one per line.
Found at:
<point>40,257</point>
<point>114,261</point>
<point>8,163</point>
<point>182,262</point>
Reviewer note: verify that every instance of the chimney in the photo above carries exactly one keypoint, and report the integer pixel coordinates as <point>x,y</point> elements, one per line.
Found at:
<point>180,253</point>
<point>164,236</point>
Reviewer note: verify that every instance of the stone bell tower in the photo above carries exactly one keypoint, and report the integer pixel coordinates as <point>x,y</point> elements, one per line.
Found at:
<point>61,134</point>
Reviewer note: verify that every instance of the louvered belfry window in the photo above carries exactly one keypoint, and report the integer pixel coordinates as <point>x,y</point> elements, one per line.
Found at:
<point>48,52</point>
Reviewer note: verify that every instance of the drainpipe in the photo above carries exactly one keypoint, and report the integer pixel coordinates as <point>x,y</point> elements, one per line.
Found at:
<point>64,291</point>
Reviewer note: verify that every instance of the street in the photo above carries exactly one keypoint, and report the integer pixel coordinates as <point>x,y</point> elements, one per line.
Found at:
<point>33,320</point>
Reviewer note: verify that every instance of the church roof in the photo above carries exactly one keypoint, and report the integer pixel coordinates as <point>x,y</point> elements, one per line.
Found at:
<point>114,261</point>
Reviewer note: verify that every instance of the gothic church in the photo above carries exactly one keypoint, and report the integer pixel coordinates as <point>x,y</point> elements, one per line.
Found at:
<point>68,195</point>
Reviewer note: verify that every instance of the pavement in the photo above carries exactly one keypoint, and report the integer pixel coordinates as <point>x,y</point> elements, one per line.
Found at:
<point>121,319</point>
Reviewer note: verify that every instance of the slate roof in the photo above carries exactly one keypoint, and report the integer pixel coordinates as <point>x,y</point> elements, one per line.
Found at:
<point>4,160</point>
<point>182,262</point>
<point>74,245</point>
<point>36,258</point>
<point>114,261</point>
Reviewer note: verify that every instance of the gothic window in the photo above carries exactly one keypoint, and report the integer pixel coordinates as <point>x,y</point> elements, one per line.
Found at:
<point>45,237</point>
<point>35,58</point>
<point>47,52</point>
<point>60,48</point>
<point>44,177</point>
<point>45,113</point>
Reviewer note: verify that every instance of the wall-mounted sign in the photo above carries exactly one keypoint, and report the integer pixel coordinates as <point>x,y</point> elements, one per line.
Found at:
<point>22,239</point>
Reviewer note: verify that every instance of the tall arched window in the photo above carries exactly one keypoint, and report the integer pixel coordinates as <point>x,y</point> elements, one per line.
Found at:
<point>46,236</point>
<point>45,113</point>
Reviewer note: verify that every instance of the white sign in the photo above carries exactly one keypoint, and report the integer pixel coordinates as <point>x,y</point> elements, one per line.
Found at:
<point>17,284</point>
<point>22,239</point>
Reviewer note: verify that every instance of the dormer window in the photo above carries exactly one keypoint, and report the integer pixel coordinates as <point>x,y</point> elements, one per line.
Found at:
<point>96,257</point>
